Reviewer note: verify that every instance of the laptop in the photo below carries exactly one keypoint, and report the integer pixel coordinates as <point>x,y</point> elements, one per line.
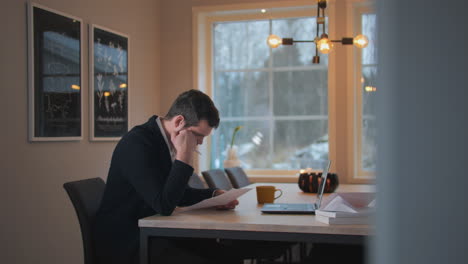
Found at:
<point>299,208</point>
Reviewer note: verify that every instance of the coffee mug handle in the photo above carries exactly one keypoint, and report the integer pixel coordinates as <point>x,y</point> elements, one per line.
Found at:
<point>281,193</point>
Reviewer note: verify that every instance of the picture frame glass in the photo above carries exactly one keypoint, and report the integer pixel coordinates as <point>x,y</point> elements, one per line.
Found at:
<point>110,84</point>
<point>56,76</point>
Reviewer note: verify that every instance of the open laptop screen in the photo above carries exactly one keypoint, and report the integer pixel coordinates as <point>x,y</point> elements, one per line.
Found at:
<point>323,183</point>
<point>302,208</point>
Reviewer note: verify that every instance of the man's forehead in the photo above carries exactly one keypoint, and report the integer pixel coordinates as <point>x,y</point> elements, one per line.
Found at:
<point>202,129</point>
<point>197,134</point>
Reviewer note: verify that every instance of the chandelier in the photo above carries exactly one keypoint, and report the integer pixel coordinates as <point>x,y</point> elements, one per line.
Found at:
<point>323,44</point>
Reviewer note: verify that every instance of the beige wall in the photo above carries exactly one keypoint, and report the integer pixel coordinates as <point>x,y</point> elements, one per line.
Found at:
<point>38,223</point>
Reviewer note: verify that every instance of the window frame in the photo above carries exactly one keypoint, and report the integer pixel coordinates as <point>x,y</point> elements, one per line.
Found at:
<point>355,9</point>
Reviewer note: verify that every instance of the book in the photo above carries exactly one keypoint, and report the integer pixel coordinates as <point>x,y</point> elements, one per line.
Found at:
<point>347,208</point>
<point>343,220</point>
<point>338,214</point>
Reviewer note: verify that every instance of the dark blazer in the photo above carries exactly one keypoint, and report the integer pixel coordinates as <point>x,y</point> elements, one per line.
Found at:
<point>142,181</point>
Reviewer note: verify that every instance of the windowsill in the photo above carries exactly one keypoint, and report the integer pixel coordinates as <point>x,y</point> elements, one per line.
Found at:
<point>294,179</point>
<point>273,178</point>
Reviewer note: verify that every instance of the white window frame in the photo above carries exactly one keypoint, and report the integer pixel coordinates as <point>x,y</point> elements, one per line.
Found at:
<point>202,19</point>
<point>355,9</point>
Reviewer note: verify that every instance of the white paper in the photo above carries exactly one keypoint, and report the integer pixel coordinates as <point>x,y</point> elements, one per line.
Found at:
<point>222,199</point>
<point>348,202</point>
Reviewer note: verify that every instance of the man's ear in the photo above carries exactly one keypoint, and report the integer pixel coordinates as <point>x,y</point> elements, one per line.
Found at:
<point>179,122</point>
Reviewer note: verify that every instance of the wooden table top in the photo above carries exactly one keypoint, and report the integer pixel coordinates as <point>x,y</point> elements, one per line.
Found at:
<point>248,216</point>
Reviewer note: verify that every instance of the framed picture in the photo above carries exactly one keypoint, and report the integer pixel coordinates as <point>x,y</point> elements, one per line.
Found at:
<point>108,56</point>
<point>55,75</point>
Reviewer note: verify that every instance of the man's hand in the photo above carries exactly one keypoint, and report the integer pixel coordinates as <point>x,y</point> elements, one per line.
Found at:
<point>230,205</point>
<point>185,143</point>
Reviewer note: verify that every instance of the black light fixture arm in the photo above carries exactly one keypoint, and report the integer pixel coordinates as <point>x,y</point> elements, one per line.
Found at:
<point>290,41</point>
<point>344,41</point>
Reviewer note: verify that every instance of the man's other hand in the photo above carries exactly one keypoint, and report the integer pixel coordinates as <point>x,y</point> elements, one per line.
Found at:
<point>230,205</point>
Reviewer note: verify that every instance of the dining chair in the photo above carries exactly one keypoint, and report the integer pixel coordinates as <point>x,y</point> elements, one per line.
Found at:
<point>86,196</point>
<point>196,182</point>
<point>237,177</point>
<point>216,178</point>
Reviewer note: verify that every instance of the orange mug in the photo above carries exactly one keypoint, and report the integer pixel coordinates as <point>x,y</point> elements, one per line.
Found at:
<point>266,194</point>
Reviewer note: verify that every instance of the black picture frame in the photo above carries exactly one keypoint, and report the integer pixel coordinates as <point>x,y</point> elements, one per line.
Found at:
<point>55,75</point>
<point>109,83</point>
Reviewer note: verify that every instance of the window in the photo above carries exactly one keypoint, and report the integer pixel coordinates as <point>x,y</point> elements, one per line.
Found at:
<point>277,95</point>
<point>290,110</point>
<point>369,73</point>
<point>365,89</point>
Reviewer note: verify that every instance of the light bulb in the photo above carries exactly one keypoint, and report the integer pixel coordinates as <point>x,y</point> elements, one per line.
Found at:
<point>360,41</point>
<point>75,87</point>
<point>324,45</point>
<point>370,88</point>
<point>273,41</point>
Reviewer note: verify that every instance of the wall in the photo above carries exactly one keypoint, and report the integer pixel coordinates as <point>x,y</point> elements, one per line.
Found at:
<point>38,222</point>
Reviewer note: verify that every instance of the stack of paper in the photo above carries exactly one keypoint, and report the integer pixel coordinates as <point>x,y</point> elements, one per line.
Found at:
<point>347,208</point>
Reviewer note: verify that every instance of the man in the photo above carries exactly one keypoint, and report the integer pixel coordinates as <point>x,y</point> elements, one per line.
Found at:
<point>149,172</point>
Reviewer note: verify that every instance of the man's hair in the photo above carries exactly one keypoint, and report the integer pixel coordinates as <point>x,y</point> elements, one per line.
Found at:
<point>194,106</point>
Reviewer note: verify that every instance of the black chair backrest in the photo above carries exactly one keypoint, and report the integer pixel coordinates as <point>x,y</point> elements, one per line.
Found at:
<point>217,178</point>
<point>237,177</point>
<point>196,182</point>
<point>86,197</point>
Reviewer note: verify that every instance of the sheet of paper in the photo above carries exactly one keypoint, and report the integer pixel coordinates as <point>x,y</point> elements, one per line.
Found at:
<point>222,199</point>
<point>348,202</point>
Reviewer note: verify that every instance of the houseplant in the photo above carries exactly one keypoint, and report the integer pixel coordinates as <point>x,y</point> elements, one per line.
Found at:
<point>231,153</point>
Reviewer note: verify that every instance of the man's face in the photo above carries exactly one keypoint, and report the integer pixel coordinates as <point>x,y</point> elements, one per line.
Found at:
<point>201,131</point>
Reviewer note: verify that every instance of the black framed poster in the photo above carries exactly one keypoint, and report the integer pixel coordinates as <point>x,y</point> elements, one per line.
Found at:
<point>108,83</point>
<point>55,79</point>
